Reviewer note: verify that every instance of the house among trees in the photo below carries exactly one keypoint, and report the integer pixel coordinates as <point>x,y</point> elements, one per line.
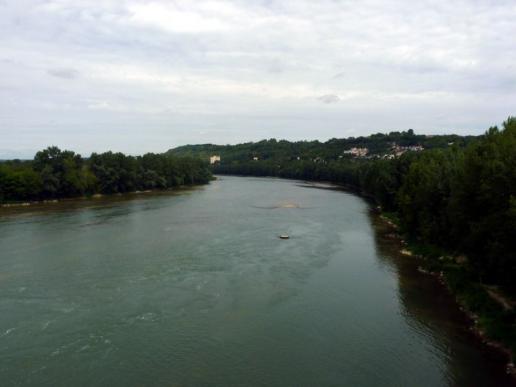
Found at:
<point>357,152</point>
<point>398,150</point>
<point>214,159</point>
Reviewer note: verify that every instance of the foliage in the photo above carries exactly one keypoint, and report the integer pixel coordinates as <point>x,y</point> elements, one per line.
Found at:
<point>18,181</point>
<point>331,150</point>
<point>483,205</point>
<point>57,174</point>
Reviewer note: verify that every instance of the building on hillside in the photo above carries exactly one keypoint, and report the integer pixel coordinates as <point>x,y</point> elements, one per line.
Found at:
<point>256,158</point>
<point>398,150</point>
<point>214,159</point>
<point>357,152</point>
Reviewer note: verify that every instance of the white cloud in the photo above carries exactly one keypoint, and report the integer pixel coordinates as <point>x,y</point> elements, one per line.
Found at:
<point>242,70</point>
<point>173,19</point>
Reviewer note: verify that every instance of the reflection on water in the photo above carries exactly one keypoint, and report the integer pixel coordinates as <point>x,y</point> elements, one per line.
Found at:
<point>196,289</point>
<point>431,310</point>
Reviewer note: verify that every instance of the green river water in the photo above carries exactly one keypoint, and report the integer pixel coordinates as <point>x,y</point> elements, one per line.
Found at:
<point>196,289</point>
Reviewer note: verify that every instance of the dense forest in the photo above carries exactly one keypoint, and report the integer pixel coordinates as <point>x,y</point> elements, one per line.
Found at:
<point>54,173</point>
<point>456,195</point>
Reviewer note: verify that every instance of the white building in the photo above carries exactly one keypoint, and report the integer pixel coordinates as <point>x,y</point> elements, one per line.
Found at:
<point>214,159</point>
<point>398,150</point>
<point>357,152</point>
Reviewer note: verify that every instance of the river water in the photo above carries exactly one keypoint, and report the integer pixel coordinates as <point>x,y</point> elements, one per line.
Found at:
<point>196,289</point>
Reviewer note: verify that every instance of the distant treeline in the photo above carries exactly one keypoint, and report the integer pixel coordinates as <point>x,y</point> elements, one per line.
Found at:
<point>61,174</point>
<point>459,198</point>
<point>281,150</point>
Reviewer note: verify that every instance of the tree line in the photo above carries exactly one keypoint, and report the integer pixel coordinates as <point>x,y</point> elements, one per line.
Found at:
<point>281,150</point>
<point>56,173</point>
<point>453,198</point>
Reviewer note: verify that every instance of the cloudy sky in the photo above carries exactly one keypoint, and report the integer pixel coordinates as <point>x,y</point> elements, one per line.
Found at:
<point>139,76</point>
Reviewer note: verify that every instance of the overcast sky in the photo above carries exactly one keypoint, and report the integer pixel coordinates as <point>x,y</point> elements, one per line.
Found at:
<point>140,76</point>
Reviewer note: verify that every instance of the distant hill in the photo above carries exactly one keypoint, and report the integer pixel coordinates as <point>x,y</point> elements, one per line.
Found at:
<point>377,145</point>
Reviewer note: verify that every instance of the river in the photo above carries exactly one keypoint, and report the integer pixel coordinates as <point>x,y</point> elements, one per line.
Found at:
<point>196,289</point>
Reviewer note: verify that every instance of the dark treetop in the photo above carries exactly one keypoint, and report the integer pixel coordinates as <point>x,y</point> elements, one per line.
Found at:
<point>57,174</point>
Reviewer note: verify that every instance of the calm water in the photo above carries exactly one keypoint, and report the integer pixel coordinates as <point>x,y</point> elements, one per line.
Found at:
<point>196,289</point>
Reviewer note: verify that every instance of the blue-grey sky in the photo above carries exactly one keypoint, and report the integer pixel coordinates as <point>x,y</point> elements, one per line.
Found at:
<point>139,76</point>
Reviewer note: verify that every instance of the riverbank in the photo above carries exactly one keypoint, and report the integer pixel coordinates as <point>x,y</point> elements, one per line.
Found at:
<point>491,314</point>
<point>21,204</point>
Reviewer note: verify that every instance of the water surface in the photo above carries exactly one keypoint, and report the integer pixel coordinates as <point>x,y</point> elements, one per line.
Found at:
<point>196,289</point>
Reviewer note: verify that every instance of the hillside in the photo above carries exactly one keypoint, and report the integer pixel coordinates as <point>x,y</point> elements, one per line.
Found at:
<point>373,146</point>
